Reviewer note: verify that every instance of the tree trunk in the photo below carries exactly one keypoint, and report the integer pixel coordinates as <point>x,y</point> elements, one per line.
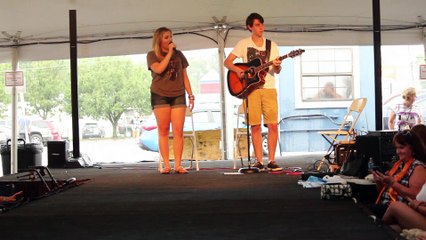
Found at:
<point>114,129</point>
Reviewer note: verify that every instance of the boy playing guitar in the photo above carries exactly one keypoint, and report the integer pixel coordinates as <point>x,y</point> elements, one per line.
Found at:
<point>263,100</point>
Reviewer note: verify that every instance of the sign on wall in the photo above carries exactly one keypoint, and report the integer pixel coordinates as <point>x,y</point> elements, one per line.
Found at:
<point>423,71</point>
<point>14,79</point>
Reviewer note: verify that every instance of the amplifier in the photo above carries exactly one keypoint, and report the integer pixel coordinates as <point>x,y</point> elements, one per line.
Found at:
<point>57,154</point>
<point>382,133</point>
<point>378,146</point>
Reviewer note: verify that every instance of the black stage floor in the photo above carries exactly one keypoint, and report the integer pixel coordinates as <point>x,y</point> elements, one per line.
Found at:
<point>134,201</point>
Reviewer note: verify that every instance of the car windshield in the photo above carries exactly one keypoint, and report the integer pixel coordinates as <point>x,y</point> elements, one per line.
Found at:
<point>91,124</point>
<point>41,124</point>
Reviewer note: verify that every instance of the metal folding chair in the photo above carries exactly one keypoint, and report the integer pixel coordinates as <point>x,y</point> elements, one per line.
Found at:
<point>343,135</point>
<point>240,131</point>
<point>193,137</point>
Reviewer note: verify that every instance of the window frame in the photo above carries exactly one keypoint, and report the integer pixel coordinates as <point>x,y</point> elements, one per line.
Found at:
<point>300,104</point>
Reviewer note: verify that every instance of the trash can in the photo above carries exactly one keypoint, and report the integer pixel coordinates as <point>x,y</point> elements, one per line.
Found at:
<point>29,154</point>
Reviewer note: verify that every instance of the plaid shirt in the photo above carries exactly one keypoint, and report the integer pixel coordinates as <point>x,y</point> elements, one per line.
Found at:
<point>404,181</point>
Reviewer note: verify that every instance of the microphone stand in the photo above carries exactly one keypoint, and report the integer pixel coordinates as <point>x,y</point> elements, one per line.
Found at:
<point>248,169</point>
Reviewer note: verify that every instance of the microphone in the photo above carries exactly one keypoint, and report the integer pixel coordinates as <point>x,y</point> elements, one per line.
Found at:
<point>174,49</point>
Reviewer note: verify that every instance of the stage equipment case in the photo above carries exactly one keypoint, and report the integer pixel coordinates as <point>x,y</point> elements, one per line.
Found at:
<point>29,155</point>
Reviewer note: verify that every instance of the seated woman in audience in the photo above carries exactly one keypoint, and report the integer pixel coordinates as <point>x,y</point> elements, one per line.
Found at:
<point>406,177</point>
<point>401,216</point>
<point>412,215</point>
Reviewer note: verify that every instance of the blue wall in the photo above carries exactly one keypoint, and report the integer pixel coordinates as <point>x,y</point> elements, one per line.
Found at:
<point>299,128</point>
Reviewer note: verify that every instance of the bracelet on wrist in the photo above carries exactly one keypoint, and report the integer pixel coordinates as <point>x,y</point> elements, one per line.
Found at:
<point>191,97</point>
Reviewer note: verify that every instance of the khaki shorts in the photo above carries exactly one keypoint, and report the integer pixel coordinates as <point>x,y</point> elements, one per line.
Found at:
<point>263,101</point>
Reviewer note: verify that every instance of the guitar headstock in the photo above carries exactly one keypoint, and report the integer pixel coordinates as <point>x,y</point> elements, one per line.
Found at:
<point>296,53</point>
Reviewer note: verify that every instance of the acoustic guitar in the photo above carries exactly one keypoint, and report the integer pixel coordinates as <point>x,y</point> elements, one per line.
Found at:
<point>254,75</point>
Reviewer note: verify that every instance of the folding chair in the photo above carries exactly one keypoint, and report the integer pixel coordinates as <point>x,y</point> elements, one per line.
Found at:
<point>193,137</point>
<point>186,134</point>
<point>240,131</point>
<point>344,135</point>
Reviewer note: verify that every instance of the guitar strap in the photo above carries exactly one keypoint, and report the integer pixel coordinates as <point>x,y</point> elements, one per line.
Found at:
<point>268,50</point>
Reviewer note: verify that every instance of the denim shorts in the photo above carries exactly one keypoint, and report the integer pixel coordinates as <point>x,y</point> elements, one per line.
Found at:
<point>158,101</point>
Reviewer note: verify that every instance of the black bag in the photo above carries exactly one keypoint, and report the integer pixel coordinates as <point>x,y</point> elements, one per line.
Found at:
<point>355,166</point>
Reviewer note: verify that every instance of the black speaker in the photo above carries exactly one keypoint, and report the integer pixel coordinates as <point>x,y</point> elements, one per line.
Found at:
<point>377,146</point>
<point>57,154</point>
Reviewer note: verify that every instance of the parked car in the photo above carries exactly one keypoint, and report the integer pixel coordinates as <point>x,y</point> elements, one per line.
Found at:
<point>395,99</point>
<point>93,130</point>
<point>204,119</point>
<point>150,123</point>
<point>42,131</point>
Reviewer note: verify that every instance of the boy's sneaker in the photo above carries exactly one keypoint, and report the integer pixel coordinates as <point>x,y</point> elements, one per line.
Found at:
<point>273,166</point>
<point>258,165</point>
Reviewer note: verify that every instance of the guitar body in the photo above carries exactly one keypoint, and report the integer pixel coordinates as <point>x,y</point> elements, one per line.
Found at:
<point>242,87</point>
<point>254,75</point>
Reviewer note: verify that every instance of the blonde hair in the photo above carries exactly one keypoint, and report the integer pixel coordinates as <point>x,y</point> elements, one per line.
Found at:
<point>156,40</point>
<point>409,92</point>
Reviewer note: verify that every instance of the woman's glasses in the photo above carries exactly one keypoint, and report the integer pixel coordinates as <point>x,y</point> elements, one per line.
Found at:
<point>406,133</point>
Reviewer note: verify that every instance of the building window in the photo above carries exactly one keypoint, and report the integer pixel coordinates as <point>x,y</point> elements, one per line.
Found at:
<point>326,75</point>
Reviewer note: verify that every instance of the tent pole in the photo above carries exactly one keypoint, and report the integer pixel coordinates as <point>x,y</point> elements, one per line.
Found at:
<point>424,43</point>
<point>14,142</point>
<point>224,132</point>
<point>74,85</point>
<point>377,64</point>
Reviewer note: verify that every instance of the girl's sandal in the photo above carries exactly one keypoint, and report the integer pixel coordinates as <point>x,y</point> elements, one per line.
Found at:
<point>181,170</point>
<point>166,170</point>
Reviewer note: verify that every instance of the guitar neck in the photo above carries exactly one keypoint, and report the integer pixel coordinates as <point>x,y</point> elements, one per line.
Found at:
<point>268,64</point>
<point>290,54</point>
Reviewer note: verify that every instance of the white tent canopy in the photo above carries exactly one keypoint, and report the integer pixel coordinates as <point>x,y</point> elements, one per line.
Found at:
<point>41,28</point>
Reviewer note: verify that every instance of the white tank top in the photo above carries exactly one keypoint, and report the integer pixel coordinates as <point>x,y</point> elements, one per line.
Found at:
<point>421,196</point>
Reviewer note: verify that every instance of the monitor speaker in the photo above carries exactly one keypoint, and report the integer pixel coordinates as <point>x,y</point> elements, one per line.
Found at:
<point>57,154</point>
<point>377,146</point>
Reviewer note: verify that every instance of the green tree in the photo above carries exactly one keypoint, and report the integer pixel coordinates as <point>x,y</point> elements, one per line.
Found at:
<point>199,65</point>
<point>109,86</point>
<point>46,82</point>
